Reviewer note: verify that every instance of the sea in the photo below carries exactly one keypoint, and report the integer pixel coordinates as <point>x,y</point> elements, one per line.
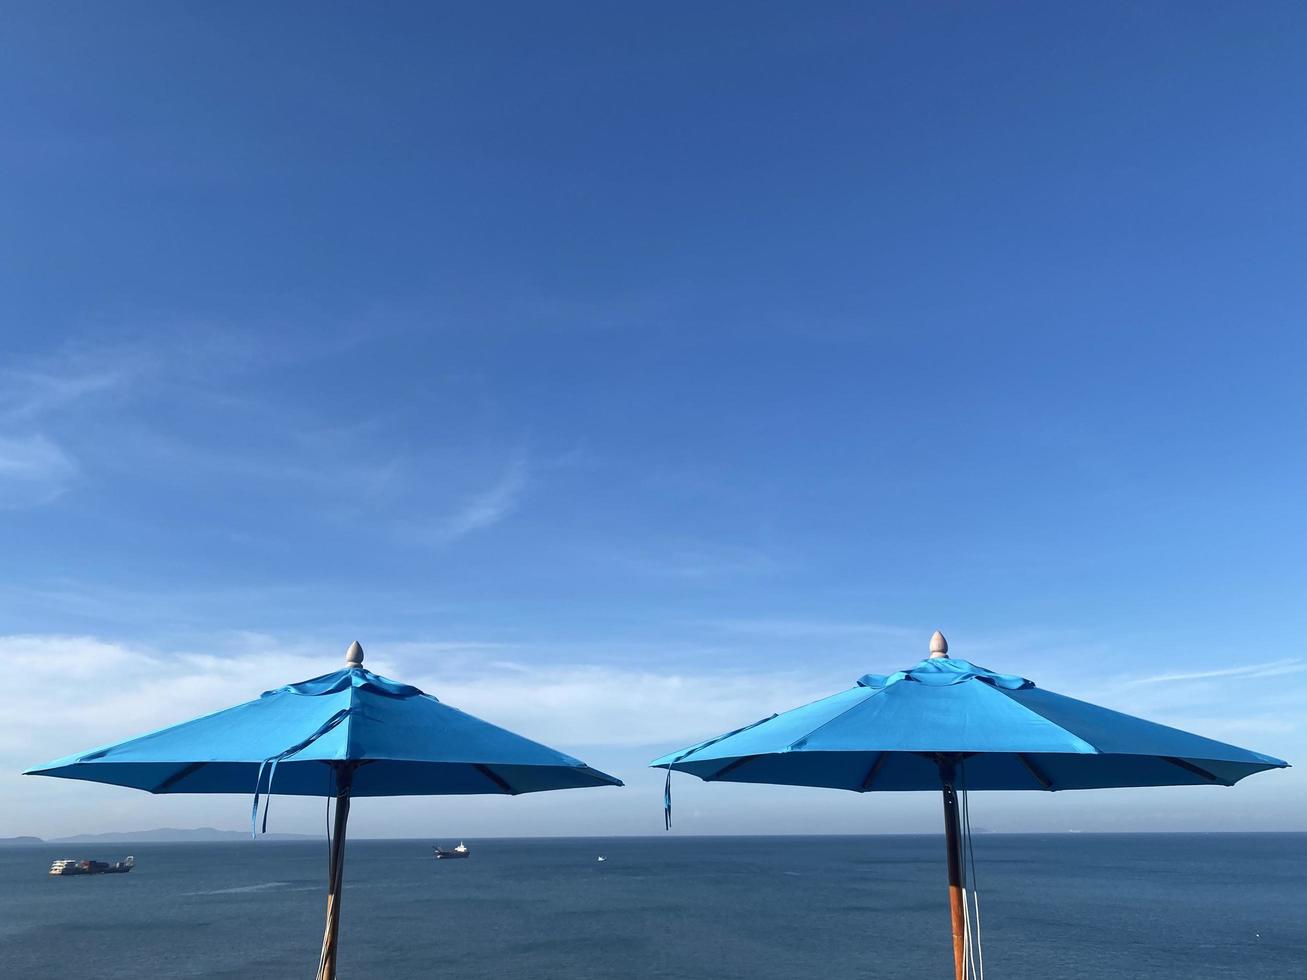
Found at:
<point>1087,906</point>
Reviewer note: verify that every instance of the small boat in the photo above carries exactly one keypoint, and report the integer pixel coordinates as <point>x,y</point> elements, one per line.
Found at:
<point>441,854</point>
<point>71,866</point>
<point>601,858</point>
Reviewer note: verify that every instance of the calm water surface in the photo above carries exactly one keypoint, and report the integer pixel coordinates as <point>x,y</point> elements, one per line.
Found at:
<point>1196,907</point>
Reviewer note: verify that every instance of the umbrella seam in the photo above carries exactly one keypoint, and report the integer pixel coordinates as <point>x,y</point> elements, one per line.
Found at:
<point>796,745</point>
<point>720,738</point>
<point>1093,749</point>
<point>1269,760</point>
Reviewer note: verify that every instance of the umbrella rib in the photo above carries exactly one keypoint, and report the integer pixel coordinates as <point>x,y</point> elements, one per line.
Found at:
<point>1040,778</point>
<point>495,778</point>
<point>729,767</point>
<point>873,772</point>
<point>681,757</point>
<point>178,776</point>
<point>1196,770</point>
<point>803,740</point>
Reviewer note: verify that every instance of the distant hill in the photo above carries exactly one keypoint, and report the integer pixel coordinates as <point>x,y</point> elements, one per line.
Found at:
<point>19,841</point>
<point>164,835</point>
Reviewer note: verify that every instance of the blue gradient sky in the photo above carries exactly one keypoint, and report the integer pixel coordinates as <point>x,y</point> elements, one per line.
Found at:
<point>626,374</point>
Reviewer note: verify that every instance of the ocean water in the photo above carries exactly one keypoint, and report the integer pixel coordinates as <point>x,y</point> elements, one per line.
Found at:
<point>1094,907</point>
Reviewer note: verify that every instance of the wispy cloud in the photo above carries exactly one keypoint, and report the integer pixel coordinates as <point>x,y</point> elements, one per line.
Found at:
<point>89,407</point>
<point>33,470</point>
<point>36,468</point>
<point>485,508</point>
<point>782,628</point>
<point>29,395</point>
<point>691,561</point>
<point>1271,668</point>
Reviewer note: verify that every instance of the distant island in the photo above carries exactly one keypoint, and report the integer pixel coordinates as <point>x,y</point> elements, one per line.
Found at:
<point>161,835</point>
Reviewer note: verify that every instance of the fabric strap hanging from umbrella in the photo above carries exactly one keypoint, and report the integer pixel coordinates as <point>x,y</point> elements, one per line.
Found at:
<point>346,734</point>
<point>949,726</point>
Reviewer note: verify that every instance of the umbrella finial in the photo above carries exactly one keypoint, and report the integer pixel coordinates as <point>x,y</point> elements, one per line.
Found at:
<point>354,655</point>
<point>938,646</point>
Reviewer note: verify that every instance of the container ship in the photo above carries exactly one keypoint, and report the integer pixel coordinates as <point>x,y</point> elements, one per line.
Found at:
<point>69,866</point>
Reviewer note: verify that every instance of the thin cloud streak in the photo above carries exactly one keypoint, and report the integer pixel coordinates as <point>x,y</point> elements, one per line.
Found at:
<point>694,561</point>
<point>782,628</point>
<point>1271,668</point>
<point>83,410</point>
<point>34,470</point>
<point>29,395</point>
<point>488,507</point>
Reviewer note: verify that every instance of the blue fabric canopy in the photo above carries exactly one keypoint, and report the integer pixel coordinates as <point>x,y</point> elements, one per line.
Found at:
<point>406,743</point>
<point>890,732</point>
<point>342,735</point>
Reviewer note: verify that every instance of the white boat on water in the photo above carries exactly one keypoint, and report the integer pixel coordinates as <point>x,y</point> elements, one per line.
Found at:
<point>72,866</point>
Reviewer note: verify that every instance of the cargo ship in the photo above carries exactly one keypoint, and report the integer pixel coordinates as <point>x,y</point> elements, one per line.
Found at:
<point>68,866</point>
<point>441,854</point>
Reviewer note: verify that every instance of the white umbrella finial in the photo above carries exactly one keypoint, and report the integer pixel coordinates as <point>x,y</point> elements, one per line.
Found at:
<point>938,646</point>
<point>354,655</point>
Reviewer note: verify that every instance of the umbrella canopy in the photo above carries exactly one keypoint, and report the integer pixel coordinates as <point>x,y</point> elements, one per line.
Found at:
<point>885,732</point>
<point>345,734</point>
<point>406,743</point>
<point>952,726</point>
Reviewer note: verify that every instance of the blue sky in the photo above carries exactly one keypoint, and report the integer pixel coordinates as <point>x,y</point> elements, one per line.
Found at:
<point>627,374</point>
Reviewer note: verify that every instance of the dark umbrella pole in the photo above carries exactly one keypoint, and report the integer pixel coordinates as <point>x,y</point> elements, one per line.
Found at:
<point>956,872</point>
<point>336,872</point>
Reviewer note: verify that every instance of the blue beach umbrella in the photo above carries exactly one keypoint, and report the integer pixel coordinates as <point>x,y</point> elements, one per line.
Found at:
<point>345,734</point>
<point>952,726</point>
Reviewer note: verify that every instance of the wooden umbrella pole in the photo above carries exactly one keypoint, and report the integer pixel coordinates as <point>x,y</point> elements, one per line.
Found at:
<point>336,873</point>
<point>956,873</point>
